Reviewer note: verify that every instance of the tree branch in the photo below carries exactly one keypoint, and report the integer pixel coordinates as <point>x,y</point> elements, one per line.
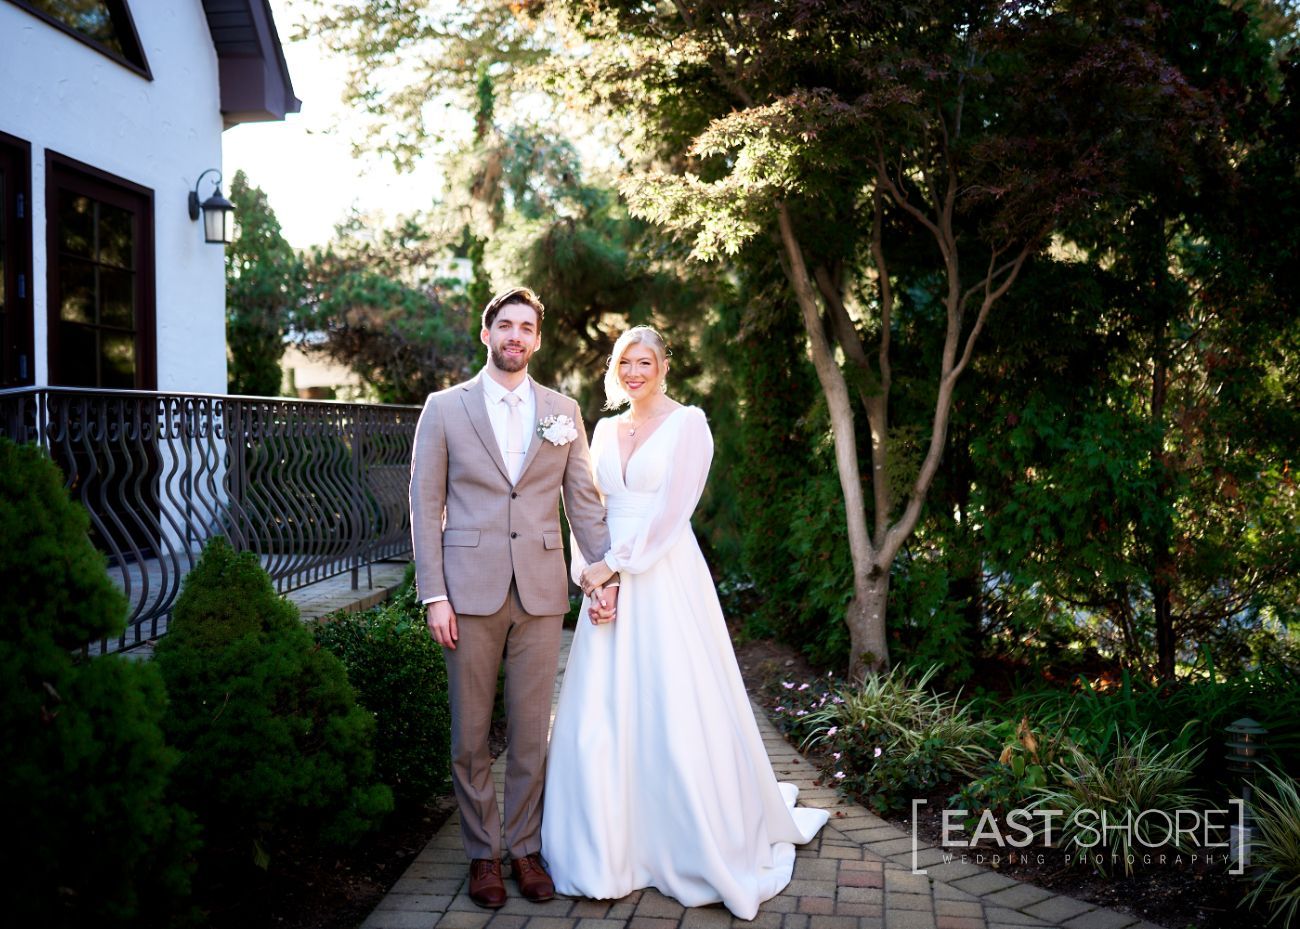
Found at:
<point>900,198</point>
<point>1012,269</point>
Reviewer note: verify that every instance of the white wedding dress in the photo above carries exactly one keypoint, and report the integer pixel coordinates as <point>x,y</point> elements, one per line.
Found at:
<point>657,774</point>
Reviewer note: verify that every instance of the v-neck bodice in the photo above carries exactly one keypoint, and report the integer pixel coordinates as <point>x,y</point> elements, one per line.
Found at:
<point>647,466</point>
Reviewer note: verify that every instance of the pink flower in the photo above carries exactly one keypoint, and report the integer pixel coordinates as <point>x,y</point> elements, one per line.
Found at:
<point>803,687</point>
<point>878,752</point>
<point>836,755</point>
<point>788,685</point>
<point>839,775</point>
<point>830,733</point>
<point>780,709</point>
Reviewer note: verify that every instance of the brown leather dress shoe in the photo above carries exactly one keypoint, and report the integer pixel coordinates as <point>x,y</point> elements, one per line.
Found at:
<point>530,874</point>
<point>486,886</point>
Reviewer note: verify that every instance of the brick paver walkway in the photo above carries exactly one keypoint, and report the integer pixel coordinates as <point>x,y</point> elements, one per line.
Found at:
<point>857,874</point>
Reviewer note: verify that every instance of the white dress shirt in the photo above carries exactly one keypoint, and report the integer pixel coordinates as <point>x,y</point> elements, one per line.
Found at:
<point>494,396</point>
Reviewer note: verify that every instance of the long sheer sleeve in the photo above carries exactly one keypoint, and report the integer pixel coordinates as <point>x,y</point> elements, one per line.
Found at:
<point>677,498</point>
<point>577,560</point>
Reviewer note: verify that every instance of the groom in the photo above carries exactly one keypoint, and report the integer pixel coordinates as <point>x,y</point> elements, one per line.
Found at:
<point>491,459</point>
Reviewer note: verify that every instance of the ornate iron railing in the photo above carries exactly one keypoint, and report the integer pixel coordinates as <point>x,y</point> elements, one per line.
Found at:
<point>314,487</point>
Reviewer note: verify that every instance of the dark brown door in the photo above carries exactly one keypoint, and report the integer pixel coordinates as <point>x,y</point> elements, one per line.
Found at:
<point>16,361</point>
<point>101,335</point>
<point>100,235</point>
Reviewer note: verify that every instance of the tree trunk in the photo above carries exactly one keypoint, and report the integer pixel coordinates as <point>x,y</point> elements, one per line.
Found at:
<point>1162,567</point>
<point>866,621</point>
<point>866,614</point>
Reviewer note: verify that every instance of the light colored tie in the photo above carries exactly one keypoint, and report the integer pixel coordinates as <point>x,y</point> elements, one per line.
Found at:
<point>514,435</point>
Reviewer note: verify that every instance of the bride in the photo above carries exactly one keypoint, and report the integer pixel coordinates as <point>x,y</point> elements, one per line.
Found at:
<point>657,774</point>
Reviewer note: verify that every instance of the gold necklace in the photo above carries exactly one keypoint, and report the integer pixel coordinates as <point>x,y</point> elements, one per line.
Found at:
<point>649,419</point>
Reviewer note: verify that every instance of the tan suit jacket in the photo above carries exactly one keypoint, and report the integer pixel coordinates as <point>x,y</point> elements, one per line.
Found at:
<point>472,530</point>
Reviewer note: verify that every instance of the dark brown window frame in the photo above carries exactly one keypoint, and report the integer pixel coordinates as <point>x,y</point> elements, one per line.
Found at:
<point>64,173</point>
<point>132,36</point>
<point>25,337</point>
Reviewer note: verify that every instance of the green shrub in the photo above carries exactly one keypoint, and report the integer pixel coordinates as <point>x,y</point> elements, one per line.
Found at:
<point>1203,705</point>
<point>399,676</point>
<point>1020,769</point>
<point>891,739</point>
<point>274,744</point>
<point>1275,851</point>
<point>91,836</point>
<point>1126,786</point>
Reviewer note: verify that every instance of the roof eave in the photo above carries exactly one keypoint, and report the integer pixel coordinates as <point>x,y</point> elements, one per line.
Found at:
<point>254,78</point>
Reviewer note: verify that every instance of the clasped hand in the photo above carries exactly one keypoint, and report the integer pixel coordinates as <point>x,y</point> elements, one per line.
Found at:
<point>603,605</point>
<point>604,600</point>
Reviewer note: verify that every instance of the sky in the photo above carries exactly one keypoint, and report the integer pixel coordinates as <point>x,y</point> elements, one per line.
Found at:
<point>305,163</point>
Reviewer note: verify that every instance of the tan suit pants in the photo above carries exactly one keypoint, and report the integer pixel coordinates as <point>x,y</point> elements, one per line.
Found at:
<point>531,647</point>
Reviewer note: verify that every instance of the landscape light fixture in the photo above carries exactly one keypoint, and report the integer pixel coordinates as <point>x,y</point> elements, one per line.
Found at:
<point>1245,745</point>
<point>218,212</point>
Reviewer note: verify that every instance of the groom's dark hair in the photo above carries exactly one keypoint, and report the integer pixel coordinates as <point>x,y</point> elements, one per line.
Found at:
<point>513,295</point>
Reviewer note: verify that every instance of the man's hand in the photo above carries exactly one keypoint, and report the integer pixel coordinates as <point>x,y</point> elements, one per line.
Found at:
<point>441,619</point>
<point>596,575</point>
<point>604,604</point>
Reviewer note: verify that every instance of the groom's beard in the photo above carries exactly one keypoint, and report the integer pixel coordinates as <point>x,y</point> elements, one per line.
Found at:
<point>504,362</point>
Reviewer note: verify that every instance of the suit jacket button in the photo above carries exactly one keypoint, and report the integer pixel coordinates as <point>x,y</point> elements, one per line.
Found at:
<point>514,535</point>
<point>513,494</point>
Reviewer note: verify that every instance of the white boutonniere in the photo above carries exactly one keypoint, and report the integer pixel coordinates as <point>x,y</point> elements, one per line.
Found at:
<point>557,429</point>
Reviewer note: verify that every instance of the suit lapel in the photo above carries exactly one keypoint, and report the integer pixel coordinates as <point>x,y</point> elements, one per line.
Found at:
<point>476,408</point>
<point>545,407</point>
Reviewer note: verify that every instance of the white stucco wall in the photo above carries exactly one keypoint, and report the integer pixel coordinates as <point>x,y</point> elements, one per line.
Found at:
<point>59,94</point>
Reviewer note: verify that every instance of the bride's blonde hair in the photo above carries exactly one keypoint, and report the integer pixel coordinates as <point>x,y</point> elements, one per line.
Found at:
<point>615,395</point>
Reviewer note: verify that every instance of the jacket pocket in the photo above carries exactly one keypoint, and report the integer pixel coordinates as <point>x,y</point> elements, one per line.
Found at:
<point>551,539</point>
<point>465,537</point>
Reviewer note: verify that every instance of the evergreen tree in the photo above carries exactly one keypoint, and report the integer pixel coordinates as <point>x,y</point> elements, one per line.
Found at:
<point>92,835</point>
<point>263,288</point>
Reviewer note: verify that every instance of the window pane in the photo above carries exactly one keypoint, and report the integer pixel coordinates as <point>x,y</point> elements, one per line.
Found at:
<point>76,224</point>
<point>78,356</point>
<point>118,359</point>
<point>77,285</point>
<point>88,17</point>
<point>116,235</point>
<point>97,287</point>
<point>116,298</point>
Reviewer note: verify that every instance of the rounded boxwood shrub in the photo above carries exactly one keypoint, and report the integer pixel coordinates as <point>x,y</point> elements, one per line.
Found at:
<point>400,677</point>
<point>274,746</point>
<point>91,837</point>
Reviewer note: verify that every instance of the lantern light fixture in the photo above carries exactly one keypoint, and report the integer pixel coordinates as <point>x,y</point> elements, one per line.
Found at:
<point>218,212</point>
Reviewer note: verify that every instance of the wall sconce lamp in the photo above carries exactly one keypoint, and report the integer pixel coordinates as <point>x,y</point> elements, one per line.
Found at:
<point>218,212</point>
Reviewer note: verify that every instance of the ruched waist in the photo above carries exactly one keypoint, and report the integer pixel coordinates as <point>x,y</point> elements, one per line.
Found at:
<point>629,503</point>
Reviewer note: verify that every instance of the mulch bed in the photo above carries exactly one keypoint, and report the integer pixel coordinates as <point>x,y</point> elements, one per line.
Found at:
<point>306,889</point>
